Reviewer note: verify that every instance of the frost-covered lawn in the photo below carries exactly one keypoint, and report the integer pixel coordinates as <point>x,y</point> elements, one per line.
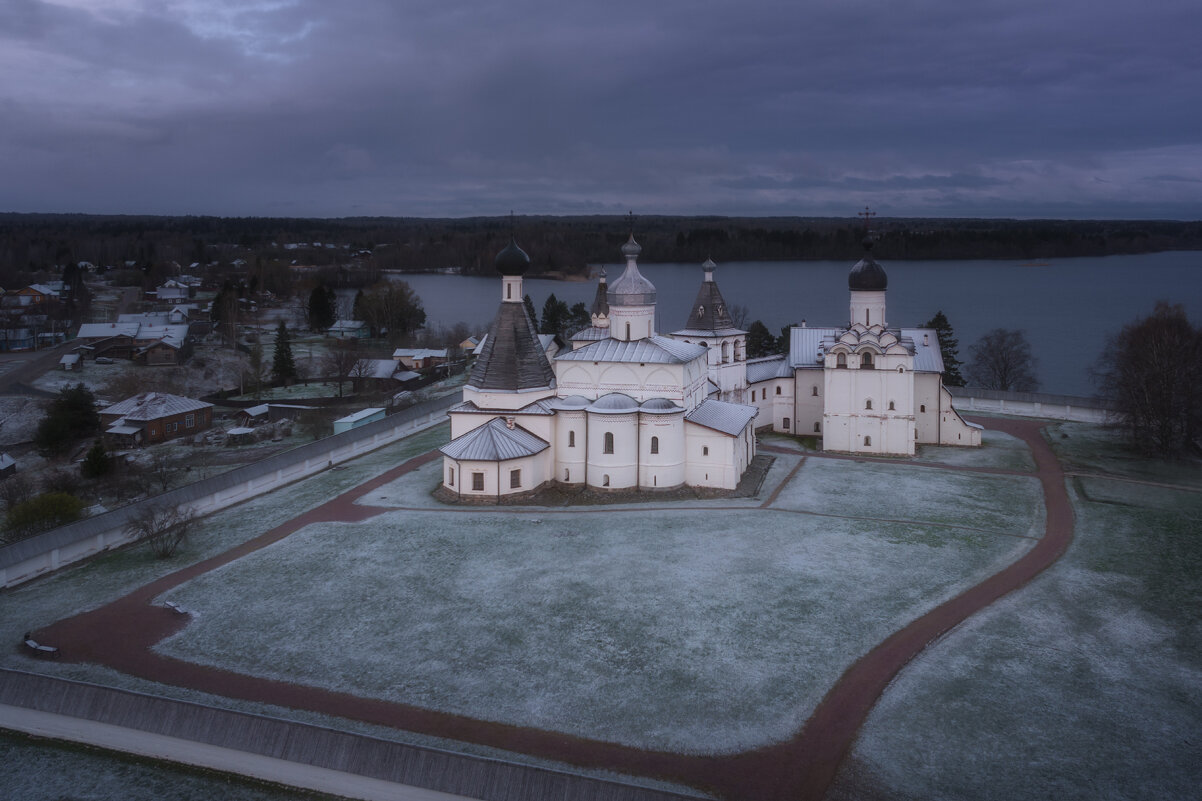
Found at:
<point>1007,504</point>
<point>1091,448</point>
<point>100,580</point>
<point>998,450</point>
<point>696,631</point>
<point>40,770</point>
<point>1087,684</point>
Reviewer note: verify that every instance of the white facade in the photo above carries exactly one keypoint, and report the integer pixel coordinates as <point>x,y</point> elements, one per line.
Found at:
<point>625,409</point>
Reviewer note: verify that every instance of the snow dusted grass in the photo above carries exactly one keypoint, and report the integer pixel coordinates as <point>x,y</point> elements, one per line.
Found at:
<point>1087,684</point>
<point>998,450</point>
<point>1006,504</point>
<point>107,577</point>
<point>1101,449</point>
<point>41,770</point>
<point>693,631</point>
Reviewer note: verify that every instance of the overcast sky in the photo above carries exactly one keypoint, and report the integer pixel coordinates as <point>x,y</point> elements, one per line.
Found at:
<point>1000,108</point>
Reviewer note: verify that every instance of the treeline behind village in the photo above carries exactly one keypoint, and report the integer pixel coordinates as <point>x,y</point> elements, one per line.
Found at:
<point>357,249</point>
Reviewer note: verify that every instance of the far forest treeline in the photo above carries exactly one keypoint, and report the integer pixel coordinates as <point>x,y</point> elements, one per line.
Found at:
<point>41,242</point>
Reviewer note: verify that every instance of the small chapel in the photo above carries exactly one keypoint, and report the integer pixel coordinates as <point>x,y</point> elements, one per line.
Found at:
<point>627,408</point>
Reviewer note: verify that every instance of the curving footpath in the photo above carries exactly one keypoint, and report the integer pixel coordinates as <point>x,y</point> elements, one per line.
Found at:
<point>122,634</point>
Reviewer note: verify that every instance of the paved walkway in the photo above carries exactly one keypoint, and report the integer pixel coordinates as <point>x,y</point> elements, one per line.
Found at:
<point>122,633</point>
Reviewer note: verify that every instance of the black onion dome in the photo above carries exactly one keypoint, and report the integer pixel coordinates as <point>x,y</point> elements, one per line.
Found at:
<point>512,260</point>
<point>867,275</point>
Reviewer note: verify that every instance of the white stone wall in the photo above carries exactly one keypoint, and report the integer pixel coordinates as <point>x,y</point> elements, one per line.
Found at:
<point>667,467</point>
<point>570,427</point>
<point>631,322</point>
<point>715,459</point>
<point>534,470</point>
<point>858,417</point>
<point>621,466</point>
<point>868,308</point>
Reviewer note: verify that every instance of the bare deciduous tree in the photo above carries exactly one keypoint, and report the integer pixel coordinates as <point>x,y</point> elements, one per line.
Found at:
<point>163,528</point>
<point>1002,359</point>
<point>1152,371</point>
<point>341,362</point>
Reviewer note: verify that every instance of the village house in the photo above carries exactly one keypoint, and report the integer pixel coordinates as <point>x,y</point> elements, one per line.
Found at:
<point>152,417</point>
<point>420,358</point>
<point>349,329</point>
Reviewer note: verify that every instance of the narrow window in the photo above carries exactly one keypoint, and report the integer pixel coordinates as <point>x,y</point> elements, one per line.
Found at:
<point>515,479</point>
<point>609,442</point>
<point>190,421</point>
<point>628,332</point>
<point>778,390</point>
<point>605,480</point>
<point>571,439</point>
<point>655,444</point>
<point>866,317</point>
<point>817,428</point>
<point>868,403</point>
<point>786,424</point>
<point>477,482</point>
<point>892,408</point>
<point>922,407</point>
<point>705,450</point>
<point>867,440</point>
<point>841,360</point>
<point>509,292</point>
<point>450,476</point>
<point>866,361</point>
<point>814,391</point>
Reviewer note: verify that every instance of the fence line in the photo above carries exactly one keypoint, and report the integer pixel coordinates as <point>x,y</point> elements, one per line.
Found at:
<point>50,550</point>
<point>304,745</point>
<point>1032,404</point>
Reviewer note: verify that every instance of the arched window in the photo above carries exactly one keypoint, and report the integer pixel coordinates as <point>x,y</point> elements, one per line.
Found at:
<point>814,391</point>
<point>922,407</point>
<point>605,480</point>
<point>609,442</point>
<point>509,292</point>
<point>571,439</point>
<point>841,360</point>
<point>450,476</point>
<point>725,352</point>
<point>567,474</point>
<point>628,332</point>
<point>778,390</point>
<point>868,403</point>
<point>866,361</point>
<point>867,440</point>
<point>655,444</point>
<point>901,369</point>
<point>892,408</point>
<point>786,424</point>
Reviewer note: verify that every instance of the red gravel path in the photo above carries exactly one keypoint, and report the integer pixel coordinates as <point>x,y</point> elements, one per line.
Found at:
<point>122,633</point>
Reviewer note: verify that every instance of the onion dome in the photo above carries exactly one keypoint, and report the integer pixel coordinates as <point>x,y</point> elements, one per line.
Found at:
<point>631,248</point>
<point>512,260</point>
<point>631,289</point>
<point>867,275</point>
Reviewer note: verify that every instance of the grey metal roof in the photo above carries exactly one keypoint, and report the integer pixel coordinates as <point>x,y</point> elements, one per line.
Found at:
<point>494,441</point>
<point>659,406</point>
<point>729,418</point>
<point>153,405</point>
<point>571,403</point>
<point>590,334</point>
<point>511,357</point>
<point>928,358</point>
<point>805,345</point>
<point>540,407</point>
<point>614,403</point>
<point>709,312</point>
<point>767,368</point>
<point>651,350</point>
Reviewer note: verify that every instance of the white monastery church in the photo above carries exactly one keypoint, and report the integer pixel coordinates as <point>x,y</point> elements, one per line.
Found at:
<point>627,408</point>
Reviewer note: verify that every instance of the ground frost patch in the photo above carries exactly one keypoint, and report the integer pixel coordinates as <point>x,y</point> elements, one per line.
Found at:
<point>691,631</point>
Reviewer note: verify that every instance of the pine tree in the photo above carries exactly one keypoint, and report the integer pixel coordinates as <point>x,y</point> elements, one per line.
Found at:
<point>283,367</point>
<point>321,308</point>
<point>949,347</point>
<point>760,341</point>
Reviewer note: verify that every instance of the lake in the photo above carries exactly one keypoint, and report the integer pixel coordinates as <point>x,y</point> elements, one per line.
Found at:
<point>1067,307</point>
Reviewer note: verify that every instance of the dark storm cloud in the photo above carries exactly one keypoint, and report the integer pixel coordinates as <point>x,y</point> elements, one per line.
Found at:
<point>1003,108</point>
